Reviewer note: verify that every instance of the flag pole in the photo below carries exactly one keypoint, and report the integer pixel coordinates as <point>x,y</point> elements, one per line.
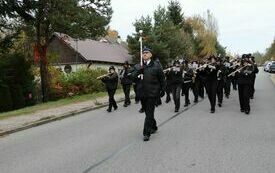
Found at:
<point>140,41</point>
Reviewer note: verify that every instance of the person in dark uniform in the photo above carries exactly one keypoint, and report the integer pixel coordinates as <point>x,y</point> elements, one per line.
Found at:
<point>244,82</point>
<point>220,81</point>
<point>126,83</point>
<point>211,82</point>
<point>152,86</point>
<point>201,77</point>
<point>253,77</point>
<point>176,83</point>
<point>235,66</point>
<point>187,81</point>
<point>168,76</point>
<point>227,86</point>
<point>111,81</point>
<point>195,81</point>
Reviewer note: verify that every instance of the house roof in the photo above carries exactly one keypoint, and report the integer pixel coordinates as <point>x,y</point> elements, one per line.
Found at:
<point>93,50</point>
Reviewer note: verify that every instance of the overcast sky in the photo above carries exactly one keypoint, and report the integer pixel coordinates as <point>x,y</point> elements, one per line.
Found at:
<point>244,25</point>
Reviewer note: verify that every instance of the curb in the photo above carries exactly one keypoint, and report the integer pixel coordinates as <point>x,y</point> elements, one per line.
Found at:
<point>52,119</point>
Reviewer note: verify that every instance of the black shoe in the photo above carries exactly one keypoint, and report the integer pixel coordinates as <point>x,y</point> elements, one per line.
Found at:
<point>125,105</point>
<point>146,138</point>
<point>176,110</point>
<point>182,94</point>
<point>141,110</point>
<point>186,104</point>
<point>242,110</point>
<point>154,131</point>
<point>212,111</point>
<point>219,104</point>
<point>196,101</point>
<point>167,100</point>
<point>247,112</point>
<point>252,97</point>
<point>115,108</point>
<point>227,96</point>
<point>109,110</point>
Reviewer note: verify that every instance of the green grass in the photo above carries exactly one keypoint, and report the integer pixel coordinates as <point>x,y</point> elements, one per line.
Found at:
<point>53,104</point>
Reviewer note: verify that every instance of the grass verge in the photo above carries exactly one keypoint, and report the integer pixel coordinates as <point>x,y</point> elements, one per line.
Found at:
<point>54,104</point>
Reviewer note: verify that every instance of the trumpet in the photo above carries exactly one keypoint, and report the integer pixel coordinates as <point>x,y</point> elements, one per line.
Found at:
<point>103,76</point>
<point>166,70</point>
<point>238,70</point>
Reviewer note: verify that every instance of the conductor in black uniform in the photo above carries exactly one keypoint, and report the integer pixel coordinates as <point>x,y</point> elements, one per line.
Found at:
<point>151,86</point>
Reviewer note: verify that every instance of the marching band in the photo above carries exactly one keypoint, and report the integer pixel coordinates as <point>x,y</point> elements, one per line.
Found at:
<point>213,75</point>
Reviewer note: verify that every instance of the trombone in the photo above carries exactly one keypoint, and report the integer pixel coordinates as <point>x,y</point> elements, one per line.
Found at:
<point>103,76</point>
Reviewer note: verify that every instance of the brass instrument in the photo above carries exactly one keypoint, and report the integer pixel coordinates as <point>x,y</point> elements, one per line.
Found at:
<point>103,76</point>
<point>166,70</point>
<point>238,70</point>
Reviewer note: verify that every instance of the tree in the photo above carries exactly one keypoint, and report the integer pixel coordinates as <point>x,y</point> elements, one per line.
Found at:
<point>205,31</point>
<point>175,12</point>
<point>40,18</point>
<point>270,52</point>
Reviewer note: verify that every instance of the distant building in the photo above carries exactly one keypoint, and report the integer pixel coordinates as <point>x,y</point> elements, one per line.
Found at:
<point>75,54</point>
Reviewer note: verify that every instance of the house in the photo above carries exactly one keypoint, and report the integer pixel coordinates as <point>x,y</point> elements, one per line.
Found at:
<point>73,54</point>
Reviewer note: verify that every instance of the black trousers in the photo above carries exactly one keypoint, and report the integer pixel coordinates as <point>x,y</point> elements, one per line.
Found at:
<point>176,95</point>
<point>220,86</point>
<point>168,92</point>
<point>211,87</point>
<point>137,99</point>
<point>234,83</point>
<point>186,87</point>
<point>227,87</point>
<point>252,87</point>
<point>201,88</point>
<point>149,108</point>
<point>244,96</point>
<point>195,88</point>
<point>126,90</point>
<point>112,102</point>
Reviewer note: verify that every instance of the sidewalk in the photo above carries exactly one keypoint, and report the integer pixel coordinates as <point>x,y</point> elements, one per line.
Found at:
<point>15,124</point>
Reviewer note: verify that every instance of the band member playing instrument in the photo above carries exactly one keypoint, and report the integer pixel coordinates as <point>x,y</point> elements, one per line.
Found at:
<point>187,81</point>
<point>220,81</point>
<point>211,82</point>
<point>244,81</point>
<point>227,86</point>
<point>176,83</point>
<point>151,86</point>
<point>111,81</point>
<point>195,81</point>
<point>168,76</point>
<point>126,83</point>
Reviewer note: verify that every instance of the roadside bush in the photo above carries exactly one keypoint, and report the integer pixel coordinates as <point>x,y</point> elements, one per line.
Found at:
<point>16,81</point>
<point>83,81</point>
<point>5,99</point>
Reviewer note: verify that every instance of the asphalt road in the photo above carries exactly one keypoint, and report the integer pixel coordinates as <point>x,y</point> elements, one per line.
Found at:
<point>192,141</point>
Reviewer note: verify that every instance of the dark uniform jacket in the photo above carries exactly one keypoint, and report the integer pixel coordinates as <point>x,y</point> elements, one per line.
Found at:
<point>111,81</point>
<point>211,74</point>
<point>188,74</point>
<point>153,81</point>
<point>244,76</point>
<point>176,77</point>
<point>125,76</point>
